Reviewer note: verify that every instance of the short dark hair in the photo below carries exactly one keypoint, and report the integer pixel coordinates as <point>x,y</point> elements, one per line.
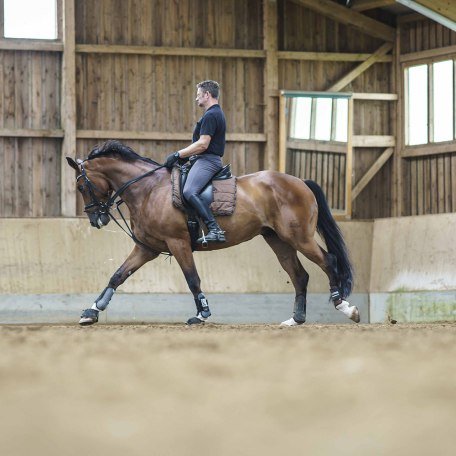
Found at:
<point>212,87</point>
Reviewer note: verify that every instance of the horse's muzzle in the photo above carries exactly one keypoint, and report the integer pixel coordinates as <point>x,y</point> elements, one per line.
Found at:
<point>98,220</point>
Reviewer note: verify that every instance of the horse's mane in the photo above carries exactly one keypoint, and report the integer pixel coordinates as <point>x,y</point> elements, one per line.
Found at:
<point>114,147</point>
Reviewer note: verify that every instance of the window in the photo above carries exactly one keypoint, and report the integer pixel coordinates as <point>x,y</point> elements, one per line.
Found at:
<point>319,118</point>
<point>430,109</point>
<point>35,19</point>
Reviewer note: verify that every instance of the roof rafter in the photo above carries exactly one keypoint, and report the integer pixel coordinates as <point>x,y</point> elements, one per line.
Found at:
<point>351,18</point>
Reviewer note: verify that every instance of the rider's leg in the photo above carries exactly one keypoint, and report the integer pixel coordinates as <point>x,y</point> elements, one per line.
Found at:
<point>200,174</point>
<point>215,233</point>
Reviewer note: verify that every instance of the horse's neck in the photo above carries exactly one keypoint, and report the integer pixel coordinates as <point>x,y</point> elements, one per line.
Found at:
<point>122,172</point>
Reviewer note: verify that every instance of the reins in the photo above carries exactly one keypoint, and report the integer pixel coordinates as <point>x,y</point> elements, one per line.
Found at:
<point>105,207</point>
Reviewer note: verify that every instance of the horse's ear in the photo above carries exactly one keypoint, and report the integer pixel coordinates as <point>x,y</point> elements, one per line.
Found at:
<point>73,164</point>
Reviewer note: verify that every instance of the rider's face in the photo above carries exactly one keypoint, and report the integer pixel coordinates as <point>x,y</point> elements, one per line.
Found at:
<point>202,97</point>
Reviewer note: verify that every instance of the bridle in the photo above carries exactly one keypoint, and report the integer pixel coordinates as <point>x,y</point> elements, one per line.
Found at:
<point>103,208</point>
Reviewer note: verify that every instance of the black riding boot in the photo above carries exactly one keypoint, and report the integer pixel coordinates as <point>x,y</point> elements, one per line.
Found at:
<point>215,234</point>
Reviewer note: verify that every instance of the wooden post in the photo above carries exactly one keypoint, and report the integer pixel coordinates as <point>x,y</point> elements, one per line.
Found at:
<point>283,122</point>
<point>398,127</point>
<point>271,84</point>
<point>349,161</point>
<point>68,110</point>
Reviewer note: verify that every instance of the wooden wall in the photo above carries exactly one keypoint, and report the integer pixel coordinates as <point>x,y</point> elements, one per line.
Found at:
<point>29,99</point>
<point>429,177</point>
<point>136,63</point>
<point>304,30</point>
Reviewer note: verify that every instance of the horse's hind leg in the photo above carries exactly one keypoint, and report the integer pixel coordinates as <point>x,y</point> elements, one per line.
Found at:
<point>289,261</point>
<point>135,260</point>
<point>328,263</point>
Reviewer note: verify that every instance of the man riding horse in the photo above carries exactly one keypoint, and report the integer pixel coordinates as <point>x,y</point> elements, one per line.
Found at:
<point>207,149</point>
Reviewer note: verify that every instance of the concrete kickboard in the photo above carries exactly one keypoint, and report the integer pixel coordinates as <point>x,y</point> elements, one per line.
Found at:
<point>172,308</point>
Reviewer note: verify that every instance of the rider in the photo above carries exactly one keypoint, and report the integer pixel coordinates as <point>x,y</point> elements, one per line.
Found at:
<point>208,147</point>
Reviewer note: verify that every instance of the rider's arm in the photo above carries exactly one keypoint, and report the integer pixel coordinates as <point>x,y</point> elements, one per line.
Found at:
<point>195,148</point>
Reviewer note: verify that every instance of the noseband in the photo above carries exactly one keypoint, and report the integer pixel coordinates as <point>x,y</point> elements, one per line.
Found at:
<point>104,207</point>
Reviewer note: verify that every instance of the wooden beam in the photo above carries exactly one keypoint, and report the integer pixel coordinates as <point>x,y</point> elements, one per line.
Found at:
<point>349,160</point>
<point>2,20</point>
<point>429,54</point>
<point>428,149</point>
<point>445,8</point>
<point>164,50</point>
<point>30,133</point>
<point>373,141</point>
<point>398,128</point>
<point>339,85</point>
<point>372,171</point>
<point>271,84</point>
<point>11,44</point>
<point>329,56</point>
<point>375,96</point>
<point>68,110</point>
<point>317,146</point>
<point>353,19</point>
<point>364,5</point>
<point>161,136</point>
<point>283,123</point>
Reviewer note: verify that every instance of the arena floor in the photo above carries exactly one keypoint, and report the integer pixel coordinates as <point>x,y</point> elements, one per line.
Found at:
<point>228,390</point>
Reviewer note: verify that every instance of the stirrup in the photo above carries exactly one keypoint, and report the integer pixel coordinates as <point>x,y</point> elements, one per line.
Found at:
<point>212,236</point>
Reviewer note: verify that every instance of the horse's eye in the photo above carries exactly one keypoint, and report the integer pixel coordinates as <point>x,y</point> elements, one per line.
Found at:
<point>80,188</point>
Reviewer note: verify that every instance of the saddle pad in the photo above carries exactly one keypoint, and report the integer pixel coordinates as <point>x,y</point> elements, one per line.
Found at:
<point>224,194</point>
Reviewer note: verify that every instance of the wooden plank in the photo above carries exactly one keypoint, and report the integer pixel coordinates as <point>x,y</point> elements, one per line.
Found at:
<point>270,81</point>
<point>364,5</point>
<point>68,111</point>
<point>373,141</point>
<point>427,149</point>
<point>170,51</point>
<point>397,128</point>
<point>375,96</point>
<point>161,135</point>
<point>349,161</point>
<point>329,56</point>
<point>428,54</point>
<point>353,19</point>
<point>31,133</point>
<point>339,85</point>
<point>318,146</point>
<point>373,170</point>
<point>16,44</point>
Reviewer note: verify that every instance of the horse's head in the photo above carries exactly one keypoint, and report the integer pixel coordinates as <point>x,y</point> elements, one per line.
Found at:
<point>95,191</point>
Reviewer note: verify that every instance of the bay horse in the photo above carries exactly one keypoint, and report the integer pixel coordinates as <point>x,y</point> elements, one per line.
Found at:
<point>285,210</point>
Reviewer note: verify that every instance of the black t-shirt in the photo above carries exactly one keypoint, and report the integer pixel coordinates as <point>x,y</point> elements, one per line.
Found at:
<point>213,124</point>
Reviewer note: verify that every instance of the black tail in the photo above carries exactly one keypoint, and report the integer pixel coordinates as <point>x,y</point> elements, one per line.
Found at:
<point>330,232</point>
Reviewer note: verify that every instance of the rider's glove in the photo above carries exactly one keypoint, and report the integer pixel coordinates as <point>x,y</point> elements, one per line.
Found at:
<point>171,159</point>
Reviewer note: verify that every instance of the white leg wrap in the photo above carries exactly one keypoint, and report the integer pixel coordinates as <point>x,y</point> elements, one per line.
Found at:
<point>351,312</point>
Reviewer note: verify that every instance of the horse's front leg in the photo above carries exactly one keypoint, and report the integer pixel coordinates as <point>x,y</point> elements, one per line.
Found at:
<point>135,260</point>
<point>182,251</point>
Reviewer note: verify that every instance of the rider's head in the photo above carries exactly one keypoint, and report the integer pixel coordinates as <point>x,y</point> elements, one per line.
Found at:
<point>212,87</point>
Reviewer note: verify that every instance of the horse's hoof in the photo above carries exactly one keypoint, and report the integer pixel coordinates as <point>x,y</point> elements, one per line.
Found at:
<point>351,312</point>
<point>291,322</point>
<point>195,321</point>
<point>89,317</point>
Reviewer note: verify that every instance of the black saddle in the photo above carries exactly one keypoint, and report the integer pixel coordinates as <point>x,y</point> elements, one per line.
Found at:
<point>207,194</point>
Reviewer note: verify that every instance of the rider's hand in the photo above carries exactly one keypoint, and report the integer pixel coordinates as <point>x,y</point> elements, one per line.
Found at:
<point>171,159</point>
